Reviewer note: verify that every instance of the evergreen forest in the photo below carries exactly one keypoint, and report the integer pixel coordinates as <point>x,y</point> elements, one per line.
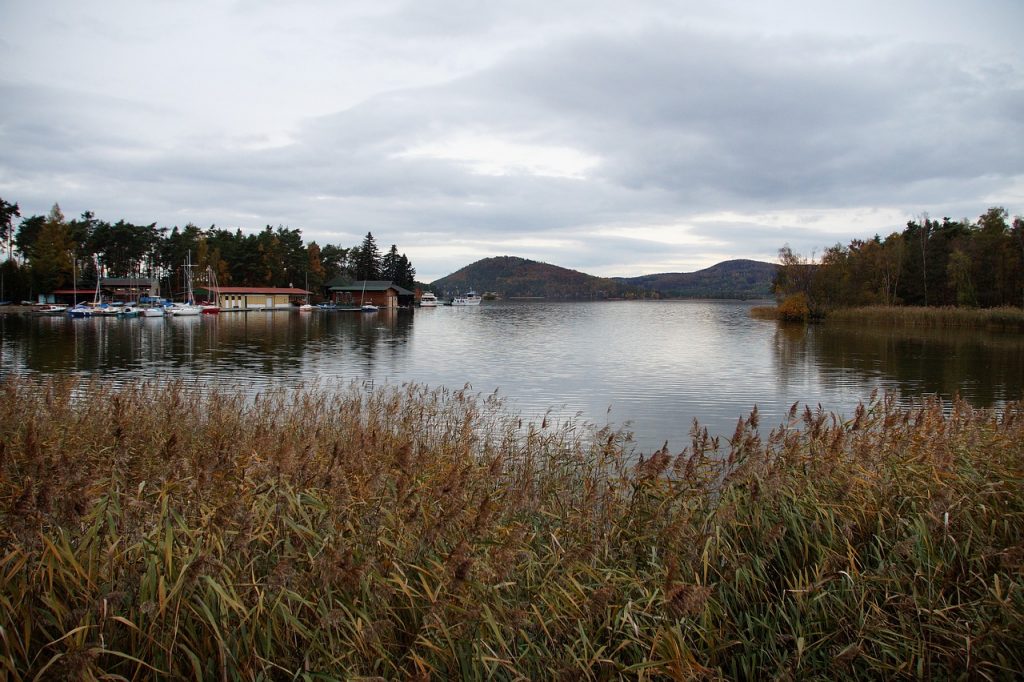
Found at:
<point>44,253</point>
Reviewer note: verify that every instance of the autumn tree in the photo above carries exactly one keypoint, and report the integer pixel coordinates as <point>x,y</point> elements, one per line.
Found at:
<point>51,255</point>
<point>314,278</point>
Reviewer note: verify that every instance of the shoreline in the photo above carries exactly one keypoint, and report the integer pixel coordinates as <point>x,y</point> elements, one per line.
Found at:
<point>1008,318</point>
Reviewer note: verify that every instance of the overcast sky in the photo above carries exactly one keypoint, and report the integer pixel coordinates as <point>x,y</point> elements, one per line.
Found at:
<point>616,138</point>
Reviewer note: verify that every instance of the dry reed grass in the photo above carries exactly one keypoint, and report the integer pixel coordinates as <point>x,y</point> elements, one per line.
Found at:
<point>156,532</point>
<point>1010,319</point>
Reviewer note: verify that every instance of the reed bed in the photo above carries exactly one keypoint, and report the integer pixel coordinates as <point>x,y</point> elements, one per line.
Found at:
<point>764,312</point>
<point>1006,318</point>
<point>156,532</point>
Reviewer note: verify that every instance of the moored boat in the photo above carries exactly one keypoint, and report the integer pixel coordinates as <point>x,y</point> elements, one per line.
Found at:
<point>188,307</point>
<point>50,310</point>
<point>184,310</point>
<point>212,289</point>
<point>428,300</point>
<point>80,310</point>
<point>469,298</point>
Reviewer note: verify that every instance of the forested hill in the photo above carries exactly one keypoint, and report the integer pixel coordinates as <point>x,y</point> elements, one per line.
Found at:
<point>744,279</point>
<point>512,277</point>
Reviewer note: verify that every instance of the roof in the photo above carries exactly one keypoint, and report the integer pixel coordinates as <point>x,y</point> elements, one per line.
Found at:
<point>373,285</point>
<point>291,291</point>
<point>339,281</point>
<point>126,281</point>
<point>63,292</point>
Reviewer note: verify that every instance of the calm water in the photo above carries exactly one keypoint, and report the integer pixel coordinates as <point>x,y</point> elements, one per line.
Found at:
<point>655,365</point>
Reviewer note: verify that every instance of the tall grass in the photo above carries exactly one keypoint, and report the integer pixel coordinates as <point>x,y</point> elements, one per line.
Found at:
<point>1007,318</point>
<point>158,532</point>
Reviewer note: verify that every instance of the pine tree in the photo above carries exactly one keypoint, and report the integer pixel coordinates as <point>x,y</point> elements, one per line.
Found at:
<point>389,265</point>
<point>368,260</point>
<point>406,276</point>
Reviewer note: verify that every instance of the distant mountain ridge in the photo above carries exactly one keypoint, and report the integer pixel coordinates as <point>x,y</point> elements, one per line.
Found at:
<point>741,278</point>
<point>514,277</point>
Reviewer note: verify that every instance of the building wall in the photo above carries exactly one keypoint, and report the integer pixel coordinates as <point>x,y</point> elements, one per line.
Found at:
<point>253,301</point>
<point>381,299</point>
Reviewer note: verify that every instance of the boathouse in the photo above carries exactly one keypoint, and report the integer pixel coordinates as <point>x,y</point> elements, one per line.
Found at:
<point>381,293</point>
<point>111,290</point>
<point>252,298</point>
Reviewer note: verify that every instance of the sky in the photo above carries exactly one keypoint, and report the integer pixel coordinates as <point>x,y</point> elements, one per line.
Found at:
<point>614,138</point>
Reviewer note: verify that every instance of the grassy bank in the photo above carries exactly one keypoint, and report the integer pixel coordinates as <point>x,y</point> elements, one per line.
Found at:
<point>1002,319</point>
<point>1010,319</point>
<point>160,533</point>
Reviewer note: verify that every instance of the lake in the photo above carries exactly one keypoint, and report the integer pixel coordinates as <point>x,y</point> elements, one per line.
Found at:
<point>652,365</point>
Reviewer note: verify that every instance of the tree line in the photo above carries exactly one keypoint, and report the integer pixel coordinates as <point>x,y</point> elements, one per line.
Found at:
<point>930,263</point>
<point>47,253</point>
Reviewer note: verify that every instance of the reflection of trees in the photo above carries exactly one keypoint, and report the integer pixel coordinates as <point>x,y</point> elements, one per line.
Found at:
<point>791,357</point>
<point>386,331</point>
<point>267,342</point>
<point>60,344</point>
<point>255,343</point>
<point>983,367</point>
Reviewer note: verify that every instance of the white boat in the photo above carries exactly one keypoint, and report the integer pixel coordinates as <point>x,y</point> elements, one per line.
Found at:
<point>50,310</point>
<point>188,307</point>
<point>307,307</point>
<point>104,310</point>
<point>363,306</point>
<point>151,311</point>
<point>469,298</point>
<point>184,310</point>
<point>428,300</point>
<point>98,308</point>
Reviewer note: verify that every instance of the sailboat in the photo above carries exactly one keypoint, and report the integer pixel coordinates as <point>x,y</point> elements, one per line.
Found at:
<point>189,307</point>
<point>306,307</point>
<point>151,306</point>
<point>211,286</point>
<point>363,306</point>
<point>78,309</point>
<point>98,306</point>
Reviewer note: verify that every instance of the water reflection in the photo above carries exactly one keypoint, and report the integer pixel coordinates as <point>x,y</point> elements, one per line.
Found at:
<point>983,367</point>
<point>655,365</point>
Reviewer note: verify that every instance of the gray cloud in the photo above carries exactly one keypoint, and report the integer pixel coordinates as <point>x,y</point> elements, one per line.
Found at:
<point>669,123</point>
